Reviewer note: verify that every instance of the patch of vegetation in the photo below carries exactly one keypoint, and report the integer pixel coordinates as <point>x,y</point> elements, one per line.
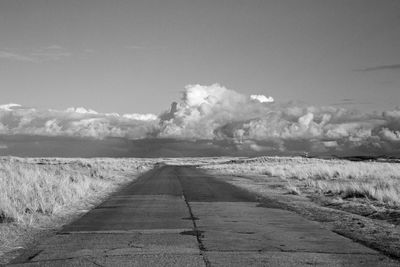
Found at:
<point>33,188</point>
<point>379,181</point>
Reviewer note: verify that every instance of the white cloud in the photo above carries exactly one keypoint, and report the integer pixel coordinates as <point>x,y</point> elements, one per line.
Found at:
<point>81,110</point>
<point>140,117</point>
<point>9,107</point>
<point>215,112</point>
<point>262,98</point>
<point>82,122</point>
<point>196,95</point>
<point>222,115</point>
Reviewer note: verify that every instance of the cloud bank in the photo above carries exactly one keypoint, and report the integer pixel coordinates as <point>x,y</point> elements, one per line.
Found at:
<point>77,122</point>
<point>227,118</point>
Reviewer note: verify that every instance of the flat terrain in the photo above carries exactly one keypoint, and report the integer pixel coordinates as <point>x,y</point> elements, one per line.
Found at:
<point>179,216</point>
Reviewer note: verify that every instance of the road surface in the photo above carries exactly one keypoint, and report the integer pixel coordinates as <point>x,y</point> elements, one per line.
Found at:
<point>179,216</point>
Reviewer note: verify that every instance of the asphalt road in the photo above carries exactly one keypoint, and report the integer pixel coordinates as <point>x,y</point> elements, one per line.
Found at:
<point>179,216</point>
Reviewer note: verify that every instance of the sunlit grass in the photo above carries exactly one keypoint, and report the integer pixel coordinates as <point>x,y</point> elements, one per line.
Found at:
<point>373,180</point>
<point>33,189</point>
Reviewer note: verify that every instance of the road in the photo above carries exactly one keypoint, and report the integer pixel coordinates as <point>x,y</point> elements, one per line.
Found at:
<point>179,216</point>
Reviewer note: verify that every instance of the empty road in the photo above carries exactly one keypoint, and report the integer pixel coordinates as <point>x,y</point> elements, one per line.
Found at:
<point>179,216</point>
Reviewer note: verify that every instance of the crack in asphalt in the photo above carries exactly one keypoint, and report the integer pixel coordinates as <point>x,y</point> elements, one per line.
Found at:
<point>196,231</point>
<point>91,260</point>
<point>284,251</point>
<point>34,255</point>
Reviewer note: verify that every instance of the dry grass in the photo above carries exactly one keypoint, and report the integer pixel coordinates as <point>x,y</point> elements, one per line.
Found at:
<point>43,193</point>
<point>31,189</point>
<point>377,181</point>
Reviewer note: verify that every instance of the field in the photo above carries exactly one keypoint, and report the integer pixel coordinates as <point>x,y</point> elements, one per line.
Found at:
<point>375,181</point>
<point>38,194</point>
<point>360,200</point>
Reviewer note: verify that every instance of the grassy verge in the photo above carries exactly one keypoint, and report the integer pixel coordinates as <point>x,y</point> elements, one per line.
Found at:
<point>37,194</point>
<point>360,200</point>
<point>375,181</point>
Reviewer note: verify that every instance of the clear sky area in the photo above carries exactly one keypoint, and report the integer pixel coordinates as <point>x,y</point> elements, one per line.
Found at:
<point>137,56</point>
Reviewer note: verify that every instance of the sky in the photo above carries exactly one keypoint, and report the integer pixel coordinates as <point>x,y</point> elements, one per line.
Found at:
<point>137,56</point>
<point>224,77</point>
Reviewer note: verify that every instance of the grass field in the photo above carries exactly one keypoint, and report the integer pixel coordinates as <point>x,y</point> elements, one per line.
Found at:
<point>45,193</point>
<point>360,200</point>
<point>378,181</point>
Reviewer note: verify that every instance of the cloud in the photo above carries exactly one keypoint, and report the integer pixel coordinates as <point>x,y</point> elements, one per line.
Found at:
<point>79,122</point>
<point>36,55</point>
<point>390,135</point>
<point>226,119</point>
<point>15,57</point>
<point>262,98</point>
<point>141,117</point>
<point>217,113</point>
<point>10,106</point>
<point>350,102</point>
<point>81,110</point>
<point>381,67</point>
<point>50,53</point>
<point>203,110</point>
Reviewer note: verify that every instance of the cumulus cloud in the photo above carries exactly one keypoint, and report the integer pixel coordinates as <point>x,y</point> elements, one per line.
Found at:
<point>256,122</point>
<point>390,135</point>
<point>225,118</point>
<point>81,122</point>
<point>204,109</point>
